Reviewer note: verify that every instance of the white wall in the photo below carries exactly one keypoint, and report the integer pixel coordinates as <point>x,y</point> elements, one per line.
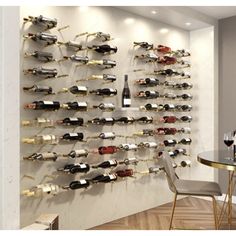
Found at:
<point>203,72</point>
<point>103,203</point>
<point>9,118</point>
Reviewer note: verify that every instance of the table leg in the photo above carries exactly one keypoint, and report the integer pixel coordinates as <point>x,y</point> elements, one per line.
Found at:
<point>230,193</point>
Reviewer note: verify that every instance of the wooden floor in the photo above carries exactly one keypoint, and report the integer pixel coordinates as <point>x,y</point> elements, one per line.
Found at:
<point>190,213</point>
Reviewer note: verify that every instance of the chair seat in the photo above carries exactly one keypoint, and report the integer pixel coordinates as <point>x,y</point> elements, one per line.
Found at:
<point>195,187</point>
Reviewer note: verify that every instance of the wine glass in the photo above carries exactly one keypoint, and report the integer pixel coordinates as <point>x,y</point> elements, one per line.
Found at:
<point>229,140</point>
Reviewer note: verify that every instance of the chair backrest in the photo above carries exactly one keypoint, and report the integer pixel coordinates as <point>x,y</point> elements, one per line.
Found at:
<point>165,161</point>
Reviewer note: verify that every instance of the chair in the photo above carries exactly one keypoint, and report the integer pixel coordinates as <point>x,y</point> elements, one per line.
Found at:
<point>189,187</point>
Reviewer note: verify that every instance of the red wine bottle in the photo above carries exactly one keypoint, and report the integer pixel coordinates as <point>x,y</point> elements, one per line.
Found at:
<point>108,92</point>
<point>102,121</point>
<point>106,164</point>
<point>104,178</point>
<point>43,105</point>
<point>71,121</point>
<point>107,150</point>
<point>78,184</point>
<point>169,119</point>
<point>125,173</point>
<point>104,49</point>
<point>185,141</point>
<point>75,168</point>
<point>77,106</point>
<point>170,143</point>
<point>126,95</point>
<point>125,120</point>
<point>73,136</point>
<point>166,131</point>
<point>186,118</point>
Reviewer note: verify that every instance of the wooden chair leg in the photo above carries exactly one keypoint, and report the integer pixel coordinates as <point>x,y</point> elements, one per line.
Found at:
<point>173,210</point>
<point>215,212</point>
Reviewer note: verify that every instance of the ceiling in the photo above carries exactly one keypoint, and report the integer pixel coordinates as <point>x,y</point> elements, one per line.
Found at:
<point>198,16</point>
<point>218,12</point>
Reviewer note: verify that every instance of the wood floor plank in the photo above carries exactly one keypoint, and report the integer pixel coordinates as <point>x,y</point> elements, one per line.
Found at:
<point>190,213</point>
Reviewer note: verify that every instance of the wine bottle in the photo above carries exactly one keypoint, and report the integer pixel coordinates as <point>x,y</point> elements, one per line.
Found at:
<point>75,168</point>
<point>104,49</point>
<point>107,135</point>
<point>102,121</point>
<point>184,63</point>
<point>77,58</point>
<point>126,95</point>
<point>106,63</point>
<point>145,120</point>
<point>44,156</point>
<point>107,150</point>
<point>76,46</point>
<point>101,36</point>
<point>49,39</point>
<point>185,96</point>
<point>106,164</point>
<point>166,131</point>
<point>181,151</point>
<point>41,56</point>
<point>73,137</point>
<point>167,72</point>
<point>145,132</point>
<point>148,145</point>
<point>39,89</point>
<point>77,153</point>
<point>181,53</point>
<point>125,173</point>
<point>186,119</point>
<point>148,82</point>
<point>42,139</point>
<point>42,190</point>
<point>47,22</point>
<point>77,184</point>
<point>77,106</point>
<point>108,92</point>
<point>144,45</point>
<point>42,72</point>
<point>151,107</point>
<point>39,122</point>
<point>169,96</point>
<point>129,161</point>
<point>186,107</point>
<point>105,77</point>
<point>43,105</point>
<point>163,49</point>
<point>169,107</point>
<point>185,141</point>
<point>105,106</point>
<point>149,57</point>
<point>166,60</point>
<point>104,178</point>
<point>168,119</point>
<point>71,121</point>
<point>148,94</point>
<point>128,147</point>
<point>183,86</point>
<point>185,163</point>
<point>154,169</point>
<point>170,142</point>
<point>78,90</point>
<point>185,130</point>
<point>125,120</point>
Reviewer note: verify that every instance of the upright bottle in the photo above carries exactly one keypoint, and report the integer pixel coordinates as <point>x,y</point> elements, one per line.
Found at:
<point>126,95</point>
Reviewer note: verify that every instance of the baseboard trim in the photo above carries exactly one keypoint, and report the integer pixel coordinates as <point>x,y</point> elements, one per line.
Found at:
<point>221,198</point>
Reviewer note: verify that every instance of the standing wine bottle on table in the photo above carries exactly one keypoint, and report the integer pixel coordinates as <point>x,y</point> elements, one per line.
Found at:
<point>126,95</point>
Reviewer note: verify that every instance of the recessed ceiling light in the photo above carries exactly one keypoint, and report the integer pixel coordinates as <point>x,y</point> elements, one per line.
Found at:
<point>188,23</point>
<point>154,12</point>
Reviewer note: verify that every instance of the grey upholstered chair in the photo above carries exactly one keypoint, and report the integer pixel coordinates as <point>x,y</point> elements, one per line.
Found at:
<point>189,187</point>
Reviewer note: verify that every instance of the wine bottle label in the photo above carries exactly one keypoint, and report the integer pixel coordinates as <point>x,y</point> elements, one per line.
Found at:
<point>112,176</point>
<point>109,119</point>
<point>132,159</point>
<point>109,135</point>
<point>42,120</point>
<point>112,162</point>
<point>82,166</point>
<point>80,152</point>
<point>127,101</point>
<point>47,102</point>
<point>82,88</point>
<point>150,144</point>
<point>73,134</point>
<point>82,181</point>
<point>73,119</point>
<point>46,155</point>
<point>48,137</point>
<point>154,106</point>
<point>108,105</point>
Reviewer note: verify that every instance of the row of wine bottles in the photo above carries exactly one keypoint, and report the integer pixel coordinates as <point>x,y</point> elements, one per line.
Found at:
<point>42,122</point>
<point>53,189</point>
<point>78,136</point>
<point>163,49</point>
<point>102,150</point>
<point>83,106</point>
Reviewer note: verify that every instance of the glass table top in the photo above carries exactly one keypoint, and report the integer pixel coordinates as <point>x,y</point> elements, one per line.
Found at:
<point>218,159</point>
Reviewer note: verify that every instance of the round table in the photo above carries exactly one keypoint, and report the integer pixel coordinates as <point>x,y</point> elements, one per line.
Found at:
<point>218,159</point>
